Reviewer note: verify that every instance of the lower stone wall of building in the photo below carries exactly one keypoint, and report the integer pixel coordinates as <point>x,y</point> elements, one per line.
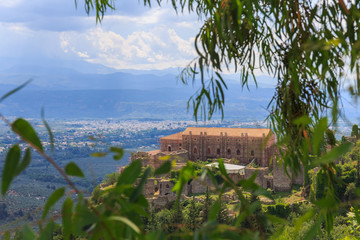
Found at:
<point>261,173</point>
<point>299,178</point>
<point>281,181</point>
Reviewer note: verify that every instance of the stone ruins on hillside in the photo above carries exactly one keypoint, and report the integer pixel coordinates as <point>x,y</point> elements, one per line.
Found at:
<point>252,148</point>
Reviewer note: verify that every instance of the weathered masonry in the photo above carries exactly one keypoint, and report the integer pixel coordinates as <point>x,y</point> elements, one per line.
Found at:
<point>242,144</point>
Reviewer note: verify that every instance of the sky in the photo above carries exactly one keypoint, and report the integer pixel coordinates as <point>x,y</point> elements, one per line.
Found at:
<point>131,37</point>
<point>39,32</point>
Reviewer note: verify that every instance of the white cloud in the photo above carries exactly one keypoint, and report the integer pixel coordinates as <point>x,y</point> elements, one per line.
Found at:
<point>16,28</point>
<point>182,44</point>
<point>82,54</point>
<point>130,37</point>
<point>139,50</point>
<point>186,24</point>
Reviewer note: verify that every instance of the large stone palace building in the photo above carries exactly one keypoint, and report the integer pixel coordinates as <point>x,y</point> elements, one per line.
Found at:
<point>238,146</point>
<point>242,144</point>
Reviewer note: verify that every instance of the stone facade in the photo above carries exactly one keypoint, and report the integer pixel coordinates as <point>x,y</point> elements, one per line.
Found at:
<point>282,182</point>
<point>242,144</point>
<point>261,177</point>
<point>236,145</point>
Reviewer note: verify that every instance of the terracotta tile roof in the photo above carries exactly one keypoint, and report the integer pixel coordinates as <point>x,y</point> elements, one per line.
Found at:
<point>251,132</point>
<point>176,136</point>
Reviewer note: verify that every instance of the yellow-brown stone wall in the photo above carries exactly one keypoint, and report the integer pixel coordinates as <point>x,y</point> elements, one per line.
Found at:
<point>202,147</point>
<point>173,144</point>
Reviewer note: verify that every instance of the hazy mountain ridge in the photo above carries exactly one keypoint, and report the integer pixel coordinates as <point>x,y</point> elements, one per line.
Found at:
<point>67,93</point>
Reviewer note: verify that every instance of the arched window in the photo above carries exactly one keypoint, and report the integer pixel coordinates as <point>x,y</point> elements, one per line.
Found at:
<point>195,150</point>
<point>229,151</point>
<point>209,151</point>
<point>252,153</point>
<point>169,148</point>
<point>218,151</point>
<point>238,152</point>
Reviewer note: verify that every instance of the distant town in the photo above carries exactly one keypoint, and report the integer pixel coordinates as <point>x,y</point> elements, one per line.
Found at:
<point>129,134</point>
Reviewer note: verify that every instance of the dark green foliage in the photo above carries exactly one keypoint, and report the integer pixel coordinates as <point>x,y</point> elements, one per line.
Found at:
<point>174,175</point>
<point>192,218</point>
<point>13,166</point>
<point>349,176</point>
<point>223,214</point>
<point>350,193</point>
<point>110,179</point>
<point>119,152</point>
<point>163,169</point>
<point>28,133</point>
<point>279,210</point>
<point>164,220</point>
<point>330,137</point>
<point>355,131</point>
<point>206,206</point>
<point>72,169</point>
<point>177,218</point>
<point>150,223</point>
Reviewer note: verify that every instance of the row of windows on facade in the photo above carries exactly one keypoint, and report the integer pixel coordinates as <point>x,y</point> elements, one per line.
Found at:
<point>217,151</point>
<point>239,140</point>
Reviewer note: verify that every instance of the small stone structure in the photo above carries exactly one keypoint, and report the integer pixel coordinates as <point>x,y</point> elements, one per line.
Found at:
<point>260,177</point>
<point>282,182</point>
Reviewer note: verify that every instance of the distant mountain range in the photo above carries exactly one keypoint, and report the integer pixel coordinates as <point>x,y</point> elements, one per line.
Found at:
<point>65,92</point>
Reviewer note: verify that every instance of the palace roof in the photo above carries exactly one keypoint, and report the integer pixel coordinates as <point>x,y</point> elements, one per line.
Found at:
<point>212,131</point>
<point>176,136</point>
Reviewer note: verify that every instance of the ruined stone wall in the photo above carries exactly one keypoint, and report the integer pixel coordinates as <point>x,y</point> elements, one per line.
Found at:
<point>196,186</point>
<point>155,160</point>
<point>162,201</point>
<point>236,177</point>
<point>281,181</point>
<point>178,156</point>
<point>138,155</point>
<point>260,178</point>
<point>298,179</point>
<point>143,156</point>
<point>268,182</point>
<point>165,187</point>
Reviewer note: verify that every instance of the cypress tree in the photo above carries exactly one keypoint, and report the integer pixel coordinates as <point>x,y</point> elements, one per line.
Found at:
<point>193,215</point>
<point>206,206</point>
